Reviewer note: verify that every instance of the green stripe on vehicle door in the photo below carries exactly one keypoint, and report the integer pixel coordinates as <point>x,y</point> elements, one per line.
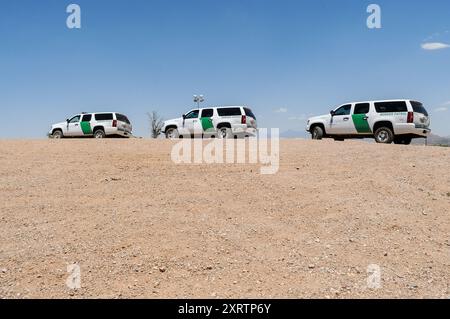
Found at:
<point>206,123</point>
<point>361,124</point>
<point>86,127</point>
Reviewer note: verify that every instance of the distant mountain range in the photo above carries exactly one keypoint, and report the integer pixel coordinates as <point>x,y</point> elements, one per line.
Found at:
<point>432,139</point>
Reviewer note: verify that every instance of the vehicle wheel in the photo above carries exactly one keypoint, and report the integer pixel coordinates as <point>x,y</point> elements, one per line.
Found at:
<point>403,140</point>
<point>57,134</point>
<point>99,133</point>
<point>317,133</point>
<point>224,132</point>
<point>172,133</point>
<point>384,135</point>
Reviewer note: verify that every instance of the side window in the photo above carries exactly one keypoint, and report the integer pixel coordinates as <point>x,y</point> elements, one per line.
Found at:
<point>207,113</point>
<point>75,119</point>
<point>87,118</point>
<point>391,107</point>
<point>343,110</point>
<point>362,108</point>
<point>229,111</point>
<point>192,115</point>
<point>104,117</point>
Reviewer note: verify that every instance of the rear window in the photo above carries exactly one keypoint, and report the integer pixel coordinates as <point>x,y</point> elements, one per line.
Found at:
<point>249,112</point>
<point>122,118</point>
<point>362,108</point>
<point>230,111</point>
<point>391,107</point>
<point>419,108</point>
<point>104,117</point>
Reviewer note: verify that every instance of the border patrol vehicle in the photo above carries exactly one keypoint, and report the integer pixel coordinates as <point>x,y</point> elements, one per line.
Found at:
<point>397,121</point>
<point>98,125</point>
<point>221,122</point>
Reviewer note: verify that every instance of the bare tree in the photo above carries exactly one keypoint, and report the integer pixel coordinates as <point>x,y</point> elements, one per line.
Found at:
<point>156,123</point>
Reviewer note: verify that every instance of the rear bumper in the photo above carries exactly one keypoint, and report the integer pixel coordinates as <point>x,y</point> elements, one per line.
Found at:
<point>411,129</point>
<point>244,130</point>
<point>123,133</point>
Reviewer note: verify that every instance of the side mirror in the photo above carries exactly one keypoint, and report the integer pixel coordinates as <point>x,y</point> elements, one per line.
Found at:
<point>67,120</point>
<point>184,116</point>
<point>332,112</point>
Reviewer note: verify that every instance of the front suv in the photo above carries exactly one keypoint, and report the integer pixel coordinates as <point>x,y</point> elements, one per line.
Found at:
<point>397,121</point>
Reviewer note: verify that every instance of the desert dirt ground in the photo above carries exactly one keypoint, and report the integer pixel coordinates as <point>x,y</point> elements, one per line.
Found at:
<point>140,226</point>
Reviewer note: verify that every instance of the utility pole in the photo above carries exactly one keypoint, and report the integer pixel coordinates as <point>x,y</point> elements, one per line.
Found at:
<point>198,99</point>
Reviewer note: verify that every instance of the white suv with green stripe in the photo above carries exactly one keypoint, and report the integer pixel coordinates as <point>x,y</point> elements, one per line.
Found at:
<point>98,125</point>
<point>397,121</point>
<point>221,122</point>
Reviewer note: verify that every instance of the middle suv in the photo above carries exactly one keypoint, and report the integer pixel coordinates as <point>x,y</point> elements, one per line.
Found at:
<point>221,122</point>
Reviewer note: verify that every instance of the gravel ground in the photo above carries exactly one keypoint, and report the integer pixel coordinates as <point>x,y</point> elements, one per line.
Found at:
<point>139,226</point>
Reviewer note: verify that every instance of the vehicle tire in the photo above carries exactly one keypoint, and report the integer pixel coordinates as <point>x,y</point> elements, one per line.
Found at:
<point>403,140</point>
<point>99,133</point>
<point>407,141</point>
<point>224,132</point>
<point>172,133</point>
<point>384,135</point>
<point>57,134</point>
<point>317,133</point>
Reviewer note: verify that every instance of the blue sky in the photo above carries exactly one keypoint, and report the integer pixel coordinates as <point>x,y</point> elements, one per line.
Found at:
<point>286,59</point>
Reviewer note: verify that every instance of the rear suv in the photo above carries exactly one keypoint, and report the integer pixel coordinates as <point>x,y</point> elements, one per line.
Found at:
<point>98,125</point>
<point>397,121</point>
<point>221,122</point>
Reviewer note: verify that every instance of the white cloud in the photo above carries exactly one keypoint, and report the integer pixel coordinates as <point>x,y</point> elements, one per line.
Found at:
<point>441,109</point>
<point>446,103</point>
<point>431,46</point>
<point>281,110</point>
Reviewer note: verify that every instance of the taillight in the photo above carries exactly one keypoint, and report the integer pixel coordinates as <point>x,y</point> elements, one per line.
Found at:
<point>114,123</point>
<point>410,117</point>
<point>244,119</point>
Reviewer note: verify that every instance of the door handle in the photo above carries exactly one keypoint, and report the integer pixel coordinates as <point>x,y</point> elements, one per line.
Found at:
<point>346,118</point>
<point>365,118</point>
<point>76,124</point>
